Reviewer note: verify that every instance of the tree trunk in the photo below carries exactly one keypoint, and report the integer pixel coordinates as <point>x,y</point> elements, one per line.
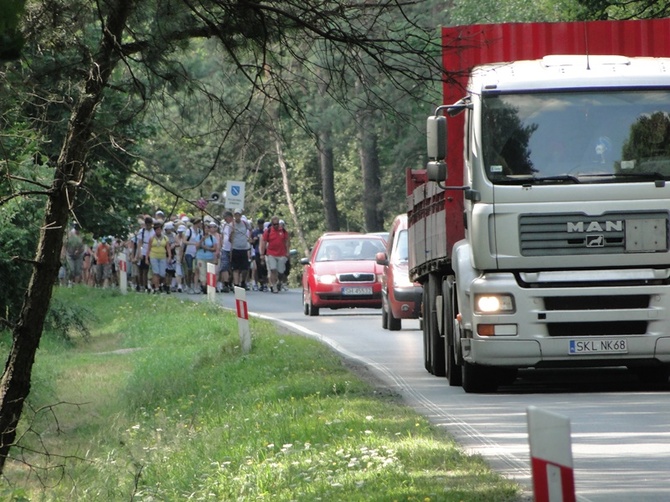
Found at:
<point>372,201</point>
<point>328,180</point>
<point>15,383</point>
<point>289,196</point>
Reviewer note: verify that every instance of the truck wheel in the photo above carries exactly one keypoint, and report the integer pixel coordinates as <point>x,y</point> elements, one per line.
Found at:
<point>478,379</point>
<point>424,329</point>
<point>436,341</point>
<point>393,323</point>
<point>450,308</point>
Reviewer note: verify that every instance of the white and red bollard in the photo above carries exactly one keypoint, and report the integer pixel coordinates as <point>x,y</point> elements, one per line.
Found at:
<point>211,282</point>
<point>243,319</point>
<point>123,273</point>
<point>550,456</point>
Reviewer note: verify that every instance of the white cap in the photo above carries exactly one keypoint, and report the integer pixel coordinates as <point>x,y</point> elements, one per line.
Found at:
<point>181,228</point>
<point>185,219</point>
<point>169,226</point>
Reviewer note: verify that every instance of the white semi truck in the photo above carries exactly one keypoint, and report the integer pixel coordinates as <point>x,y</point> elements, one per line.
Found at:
<point>543,241</point>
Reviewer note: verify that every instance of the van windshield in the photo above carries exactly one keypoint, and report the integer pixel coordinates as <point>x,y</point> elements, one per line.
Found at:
<point>577,137</point>
<point>401,254</point>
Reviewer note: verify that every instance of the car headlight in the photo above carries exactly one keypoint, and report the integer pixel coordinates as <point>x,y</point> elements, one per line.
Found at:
<point>326,279</point>
<point>494,304</point>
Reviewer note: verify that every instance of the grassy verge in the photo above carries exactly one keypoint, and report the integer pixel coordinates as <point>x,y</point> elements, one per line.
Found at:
<point>160,404</point>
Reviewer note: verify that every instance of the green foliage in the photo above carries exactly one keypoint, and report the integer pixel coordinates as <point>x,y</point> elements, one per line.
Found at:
<point>623,9</point>
<point>168,408</point>
<point>67,320</point>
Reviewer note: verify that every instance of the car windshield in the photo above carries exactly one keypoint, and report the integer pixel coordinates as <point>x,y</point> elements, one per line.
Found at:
<point>349,249</point>
<point>577,137</point>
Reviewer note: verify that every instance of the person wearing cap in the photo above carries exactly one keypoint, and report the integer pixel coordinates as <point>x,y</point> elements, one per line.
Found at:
<point>208,252</point>
<point>240,238</point>
<point>275,252</point>
<point>157,256</point>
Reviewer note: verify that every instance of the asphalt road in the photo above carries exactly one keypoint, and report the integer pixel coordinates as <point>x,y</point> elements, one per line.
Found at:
<point>620,430</point>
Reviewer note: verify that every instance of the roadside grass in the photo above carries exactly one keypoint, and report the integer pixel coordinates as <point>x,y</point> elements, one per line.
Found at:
<point>160,404</point>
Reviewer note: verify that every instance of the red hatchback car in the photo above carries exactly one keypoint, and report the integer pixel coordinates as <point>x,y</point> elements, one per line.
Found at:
<point>341,272</point>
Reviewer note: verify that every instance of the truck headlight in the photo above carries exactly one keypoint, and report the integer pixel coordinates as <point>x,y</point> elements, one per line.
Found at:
<point>494,304</point>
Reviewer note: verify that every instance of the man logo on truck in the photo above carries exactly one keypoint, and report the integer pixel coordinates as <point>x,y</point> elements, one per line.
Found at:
<point>595,226</point>
<point>595,241</point>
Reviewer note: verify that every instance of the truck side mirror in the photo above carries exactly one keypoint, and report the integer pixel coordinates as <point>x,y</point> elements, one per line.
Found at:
<point>436,137</point>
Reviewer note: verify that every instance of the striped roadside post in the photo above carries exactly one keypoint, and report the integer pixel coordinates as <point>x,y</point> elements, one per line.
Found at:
<point>123,273</point>
<point>550,456</point>
<point>211,282</point>
<point>243,319</point>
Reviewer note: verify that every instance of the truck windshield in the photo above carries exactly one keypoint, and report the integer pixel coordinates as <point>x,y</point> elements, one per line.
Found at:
<point>577,137</point>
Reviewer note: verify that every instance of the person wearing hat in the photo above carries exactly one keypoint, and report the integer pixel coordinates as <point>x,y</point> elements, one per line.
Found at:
<point>157,256</point>
<point>208,252</point>
<point>240,238</point>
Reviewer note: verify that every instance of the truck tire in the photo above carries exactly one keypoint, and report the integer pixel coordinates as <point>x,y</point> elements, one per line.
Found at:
<point>436,342</point>
<point>424,330</point>
<point>478,379</point>
<point>453,372</point>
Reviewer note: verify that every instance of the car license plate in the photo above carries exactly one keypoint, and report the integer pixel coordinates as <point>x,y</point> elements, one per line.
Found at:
<point>357,291</point>
<point>616,346</point>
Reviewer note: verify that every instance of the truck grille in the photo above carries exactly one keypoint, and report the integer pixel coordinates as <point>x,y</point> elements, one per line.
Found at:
<point>630,303</point>
<point>564,234</point>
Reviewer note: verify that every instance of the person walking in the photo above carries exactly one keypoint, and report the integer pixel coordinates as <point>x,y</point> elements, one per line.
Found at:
<point>208,252</point>
<point>158,254</point>
<point>103,263</point>
<point>74,254</point>
<point>260,271</point>
<point>240,249</point>
<point>192,238</point>
<point>275,252</point>
<point>226,249</point>
<point>142,239</point>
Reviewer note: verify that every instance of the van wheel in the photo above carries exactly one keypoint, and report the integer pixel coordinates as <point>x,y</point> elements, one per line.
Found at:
<point>394,323</point>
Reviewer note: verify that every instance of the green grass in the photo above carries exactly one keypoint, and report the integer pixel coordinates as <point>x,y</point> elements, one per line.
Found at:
<point>161,405</point>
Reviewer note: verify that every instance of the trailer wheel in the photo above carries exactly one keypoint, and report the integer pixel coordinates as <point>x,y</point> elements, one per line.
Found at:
<point>479,379</point>
<point>424,330</point>
<point>436,342</point>
<point>450,308</point>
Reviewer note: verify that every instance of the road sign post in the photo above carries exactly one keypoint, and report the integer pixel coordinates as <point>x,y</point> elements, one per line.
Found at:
<point>211,282</point>
<point>243,319</point>
<point>123,273</point>
<point>550,456</point>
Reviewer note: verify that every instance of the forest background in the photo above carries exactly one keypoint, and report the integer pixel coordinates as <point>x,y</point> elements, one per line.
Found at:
<point>112,109</point>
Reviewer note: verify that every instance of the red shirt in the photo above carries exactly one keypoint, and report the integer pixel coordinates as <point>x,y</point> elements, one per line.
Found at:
<point>276,240</point>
